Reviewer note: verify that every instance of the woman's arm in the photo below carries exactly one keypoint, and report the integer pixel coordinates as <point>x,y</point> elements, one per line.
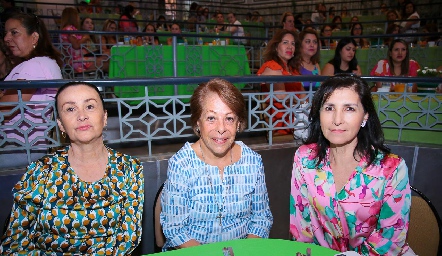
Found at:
<point>262,219</point>
<point>76,43</point>
<point>175,206</point>
<point>132,213</point>
<point>300,228</point>
<point>328,70</point>
<point>389,237</point>
<point>410,22</point>
<point>19,235</point>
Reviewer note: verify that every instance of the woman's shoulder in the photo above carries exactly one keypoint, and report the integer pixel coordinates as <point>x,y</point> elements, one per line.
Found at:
<point>246,151</point>
<point>272,65</point>
<point>39,170</point>
<point>185,153</point>
<point>37,68</point>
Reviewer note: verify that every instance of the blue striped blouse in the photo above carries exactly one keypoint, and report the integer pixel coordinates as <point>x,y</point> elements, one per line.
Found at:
<point>190,205</point>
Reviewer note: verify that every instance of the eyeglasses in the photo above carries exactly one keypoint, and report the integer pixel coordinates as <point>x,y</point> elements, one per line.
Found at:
<point>327,30</point>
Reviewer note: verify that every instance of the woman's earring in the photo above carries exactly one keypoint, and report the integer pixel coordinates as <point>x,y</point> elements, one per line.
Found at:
<point>197,130</point>
<point>363,123</point>
<point>63,134</point>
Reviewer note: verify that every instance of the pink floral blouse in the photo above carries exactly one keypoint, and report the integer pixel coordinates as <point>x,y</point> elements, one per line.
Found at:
<point>369,215</point>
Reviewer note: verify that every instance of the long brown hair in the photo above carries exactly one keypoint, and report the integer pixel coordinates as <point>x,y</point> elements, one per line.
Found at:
<point>271,52</point>
<point>298,58</point>
<point>70,16</point>
<point>405,64</point>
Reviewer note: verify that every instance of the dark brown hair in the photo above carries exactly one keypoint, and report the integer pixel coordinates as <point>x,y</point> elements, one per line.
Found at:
<point>298,58</point>
<point>227,92</point>
<point>44,47</point>
<point>271,52</point>
<point>405,65</point>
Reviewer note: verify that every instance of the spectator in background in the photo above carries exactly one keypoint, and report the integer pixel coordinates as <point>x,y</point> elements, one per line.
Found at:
<point>331,13</point>
<point>353,20</point>
<point>150,40</point>
<point>248,16</point>
<point>107,41</point>
<point>235,28</point>
<point>392,29</point>
<point>431,28</point>
<point>307,57</point>
<point>357,30</point>
<point>70,21</point>
<point>127,22</point>
<point>257,17</point>
<point>412,23</point>
<point>83,7</point>
<point>336,23</point>
<point>206,13</point>
<point>87,24</point>
<point>326,31</point>
<point>383,10</point>
<point>288,22</point>
<point>319,16</point>
<point>278,57</point>
<point>200,18</point>
<point>397,63</point>
<point>175,29</point>
<point>299,23</point>
<point>392,17</point>
<point>192,16</point>
<point>28,40</point>
<point>344,60</point>
<point>220,23</point>
<point>344,12</point>
<point>161,24</point>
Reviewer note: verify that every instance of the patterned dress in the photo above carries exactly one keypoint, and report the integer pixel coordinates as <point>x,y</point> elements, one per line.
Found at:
<point>55,212</point>
<point>369,215</point>
<point>194,195</point>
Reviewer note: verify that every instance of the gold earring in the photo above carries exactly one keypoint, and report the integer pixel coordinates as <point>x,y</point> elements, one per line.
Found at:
<point>63,134</point>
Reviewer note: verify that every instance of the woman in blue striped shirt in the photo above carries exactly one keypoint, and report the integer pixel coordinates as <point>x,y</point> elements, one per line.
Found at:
<point>215,189</point>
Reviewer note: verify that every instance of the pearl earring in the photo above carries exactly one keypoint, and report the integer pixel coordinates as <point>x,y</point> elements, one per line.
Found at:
<point>363,123</point>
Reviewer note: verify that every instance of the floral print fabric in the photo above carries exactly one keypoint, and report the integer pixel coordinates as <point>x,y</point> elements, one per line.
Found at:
<point>369,215</point>
<point>55,212</point>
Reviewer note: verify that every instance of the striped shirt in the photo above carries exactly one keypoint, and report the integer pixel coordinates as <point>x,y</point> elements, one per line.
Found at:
<point>194,195</point>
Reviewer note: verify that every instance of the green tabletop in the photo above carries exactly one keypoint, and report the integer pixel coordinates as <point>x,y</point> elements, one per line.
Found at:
<point>414,112</point>
<point>157,61</point>
<point>254,247</point>
<point>367,58</point>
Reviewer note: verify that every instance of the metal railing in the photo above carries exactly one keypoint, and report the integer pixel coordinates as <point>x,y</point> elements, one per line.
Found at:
<point>156,118</point>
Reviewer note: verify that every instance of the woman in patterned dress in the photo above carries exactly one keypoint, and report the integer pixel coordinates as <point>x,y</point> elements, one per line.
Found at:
<point>215,189</point>
<point>83,199</point>
<point>348,192</point>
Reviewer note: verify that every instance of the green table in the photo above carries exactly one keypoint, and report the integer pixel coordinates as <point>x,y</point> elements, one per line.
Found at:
<point>415,112</point>
<point>254,247</point>
<point>367,58</point>
<point>157,61</point>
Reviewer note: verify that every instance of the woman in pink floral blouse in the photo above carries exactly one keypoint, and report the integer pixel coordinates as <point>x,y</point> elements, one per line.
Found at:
<point>348,192</point>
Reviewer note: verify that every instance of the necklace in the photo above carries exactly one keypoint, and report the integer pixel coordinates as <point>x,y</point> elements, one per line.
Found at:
<point>220,207</point>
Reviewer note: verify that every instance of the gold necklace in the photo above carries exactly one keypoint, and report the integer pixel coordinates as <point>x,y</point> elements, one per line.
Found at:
<point>220,208</point>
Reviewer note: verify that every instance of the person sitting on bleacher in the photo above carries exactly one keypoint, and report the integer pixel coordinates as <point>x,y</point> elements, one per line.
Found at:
<point>235,28</point>
<point>220,24</point>
<point>127,21</point>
